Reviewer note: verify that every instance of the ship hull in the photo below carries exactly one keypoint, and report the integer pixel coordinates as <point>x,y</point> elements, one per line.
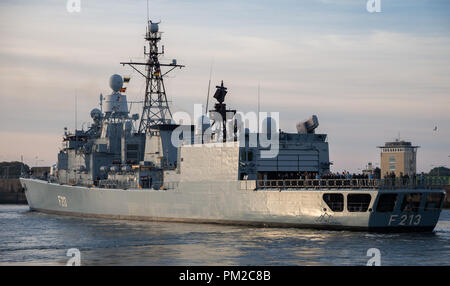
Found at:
<point>224,203</point>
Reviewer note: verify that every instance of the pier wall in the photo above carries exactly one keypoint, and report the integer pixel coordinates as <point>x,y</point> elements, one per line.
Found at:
<point>11,192</point>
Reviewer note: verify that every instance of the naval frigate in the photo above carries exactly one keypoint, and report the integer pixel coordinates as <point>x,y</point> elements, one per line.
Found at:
<point>213,171</point>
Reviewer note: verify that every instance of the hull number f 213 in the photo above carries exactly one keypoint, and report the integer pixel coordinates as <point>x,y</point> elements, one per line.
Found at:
<point>405,220</point>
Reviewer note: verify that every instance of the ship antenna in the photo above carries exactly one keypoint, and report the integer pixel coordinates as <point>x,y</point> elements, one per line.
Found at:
<point>76,123</point>
<point>147,12</point>
<point>257,131</point>
<point>209,88</point>
<point>101,102</point>
<point>76,103</point>
<point>156,109</point>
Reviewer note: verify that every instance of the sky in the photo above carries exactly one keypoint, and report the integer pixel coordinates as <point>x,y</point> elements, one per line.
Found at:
<point>369,77</point>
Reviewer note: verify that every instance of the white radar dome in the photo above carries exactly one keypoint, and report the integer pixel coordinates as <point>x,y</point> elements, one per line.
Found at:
<point>96,113</point>
<point>115,82</point>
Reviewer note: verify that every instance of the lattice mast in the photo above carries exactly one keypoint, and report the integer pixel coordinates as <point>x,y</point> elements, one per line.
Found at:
<point>156,109</point>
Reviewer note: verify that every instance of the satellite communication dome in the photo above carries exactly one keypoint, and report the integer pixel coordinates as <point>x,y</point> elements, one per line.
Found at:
<point>96,113</point>
<point>115,82</point>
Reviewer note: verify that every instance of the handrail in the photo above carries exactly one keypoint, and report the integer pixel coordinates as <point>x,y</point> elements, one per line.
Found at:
<point>115,184</point>
<point>389,183</point>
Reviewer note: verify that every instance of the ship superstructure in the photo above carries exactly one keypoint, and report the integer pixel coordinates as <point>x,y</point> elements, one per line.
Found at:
<point>217,170</point>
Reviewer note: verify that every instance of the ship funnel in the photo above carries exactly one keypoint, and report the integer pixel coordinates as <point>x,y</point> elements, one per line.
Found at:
<point>308,125</point>
<point>96,114</point>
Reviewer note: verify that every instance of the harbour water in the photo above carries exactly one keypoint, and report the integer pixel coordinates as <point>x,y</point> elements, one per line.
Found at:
<point>32,238</point>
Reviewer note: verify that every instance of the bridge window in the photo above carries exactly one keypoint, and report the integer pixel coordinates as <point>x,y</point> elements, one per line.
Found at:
<point>434,202</point>
<point>334,201</point>
<point>250,155</point>
<point>247,156</point>
<point>358,202</point>
<point>411,202</point>
<point>386,202</point>
<point>243,156</point>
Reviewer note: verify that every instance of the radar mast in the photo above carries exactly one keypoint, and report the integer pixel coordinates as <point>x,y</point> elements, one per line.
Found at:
<point>156,108</point>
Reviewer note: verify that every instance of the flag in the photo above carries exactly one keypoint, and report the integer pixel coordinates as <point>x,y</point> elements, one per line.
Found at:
<point>126,79</point>
<point>157,73</point>
<point>123,89</point>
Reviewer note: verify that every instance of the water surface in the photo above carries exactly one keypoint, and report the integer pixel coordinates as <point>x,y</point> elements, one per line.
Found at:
<point>32,238</point>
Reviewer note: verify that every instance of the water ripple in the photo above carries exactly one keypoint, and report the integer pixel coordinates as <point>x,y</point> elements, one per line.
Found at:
<point>33,238</point>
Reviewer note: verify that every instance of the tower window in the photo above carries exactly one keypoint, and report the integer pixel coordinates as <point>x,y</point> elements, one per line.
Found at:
<point>392,163</point>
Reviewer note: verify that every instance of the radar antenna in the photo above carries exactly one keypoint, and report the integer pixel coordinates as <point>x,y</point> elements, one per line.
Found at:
<point>156,108</point>
<point>220,108</point>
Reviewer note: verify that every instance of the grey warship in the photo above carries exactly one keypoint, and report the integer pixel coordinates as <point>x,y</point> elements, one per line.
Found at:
<point>213,172</point>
